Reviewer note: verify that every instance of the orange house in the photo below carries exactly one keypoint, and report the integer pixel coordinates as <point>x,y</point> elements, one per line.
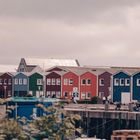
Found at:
<point>70,85</point>
<point>88,85</point>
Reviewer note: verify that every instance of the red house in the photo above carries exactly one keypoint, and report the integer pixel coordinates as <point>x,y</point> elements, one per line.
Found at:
<point>88,85</point>
<point>70,85</point>
<point>6,85</point>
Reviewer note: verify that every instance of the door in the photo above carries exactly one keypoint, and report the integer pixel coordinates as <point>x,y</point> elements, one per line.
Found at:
<point>125,97</point>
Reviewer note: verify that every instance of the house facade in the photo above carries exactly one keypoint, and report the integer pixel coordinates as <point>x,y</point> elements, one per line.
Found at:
<point>21,85</point>
<point>6,85</point>
<point>70,85</point>
<point>104,84</point>
<point>121,87</point>
<point>136,86</point>
<point>36,84</point>
<point>53,84</point>
<point>88,85</point>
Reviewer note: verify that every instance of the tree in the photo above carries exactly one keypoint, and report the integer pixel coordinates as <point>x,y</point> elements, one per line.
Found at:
<point>56,125</point>
<point>10,129</point>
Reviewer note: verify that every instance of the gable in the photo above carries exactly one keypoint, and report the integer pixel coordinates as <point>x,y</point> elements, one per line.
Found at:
<point>121,75</point>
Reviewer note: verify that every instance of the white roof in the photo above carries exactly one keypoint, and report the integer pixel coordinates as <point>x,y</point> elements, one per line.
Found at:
<point>47,63</point>
<point>8,68</point>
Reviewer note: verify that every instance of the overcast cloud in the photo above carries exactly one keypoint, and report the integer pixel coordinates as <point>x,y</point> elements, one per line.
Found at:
<point>96,32</point>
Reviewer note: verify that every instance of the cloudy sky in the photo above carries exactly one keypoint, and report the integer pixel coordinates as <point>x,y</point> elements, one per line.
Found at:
<point>96,32</point>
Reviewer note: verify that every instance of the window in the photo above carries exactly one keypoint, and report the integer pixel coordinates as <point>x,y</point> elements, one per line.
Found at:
<point>83,81</point>
<point>39,82</point>
<point>101,95</point>
<point>53,81</point>
<point>138,82</point>
<point>5,81</point>
<point>116,82</point>
<point>0,81</point>
<point>66,94</point>
<point>58,82</point>
<point>129,138</point>
<point>127,82</point>
<point>70,81</point>
<point>101,82</point>
<point>88,81</point>
<point>16,81</point>
<point>48,81</point>
<point>20,81</point>
<point>83,95</point>
<point>65,81</point>
<point>53,95</point>
<point>58,93</point>
<point>24,81</point>
<point>117,138</point>
<point>9,93</point>
<point>122,82</point>
<point>88,95</point>
<point>48,93</point>
<point>9,81</point>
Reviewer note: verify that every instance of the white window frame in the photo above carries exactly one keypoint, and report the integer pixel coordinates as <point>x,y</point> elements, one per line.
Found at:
<point>116,81</point>
<point>65,81</point>
<point>65,94</point>
<point>53,93</point>
<point>122,82</point>
<point>24,81</point>
<point>48,81</point>
<point>82,81</point>
<point>9,81</point>
<point>101,94</point>
<point>1,81</point>
<point>9,93</point>
<point>48,93</point>
<point>58,94</point>
<point>20,81</point>
<point>71,81</point>
<point>53,81</point>
<point>83,95</point>
<point>58,81</point>
<point>88,97</point>
<point>87,81</point>
<point>138,82</point>
<point>5,81</point>
<point>100,82</point>
<point>16,81</point>
<point>39,82</point>
<point>126,82</point>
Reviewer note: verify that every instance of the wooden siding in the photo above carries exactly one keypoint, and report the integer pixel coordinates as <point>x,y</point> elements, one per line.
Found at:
<point>5,86</point>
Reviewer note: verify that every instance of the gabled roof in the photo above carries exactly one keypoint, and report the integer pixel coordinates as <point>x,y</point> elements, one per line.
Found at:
<point>57,72</point>
<point>47,63</point>
<point>24,73</point>
<point>135,73</point>
<point>30,68</point>
<point>33,72</point>
<point>10,74</point>
<point>123,72</point>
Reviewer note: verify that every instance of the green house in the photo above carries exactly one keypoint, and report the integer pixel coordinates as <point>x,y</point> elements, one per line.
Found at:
<point>36,84</point>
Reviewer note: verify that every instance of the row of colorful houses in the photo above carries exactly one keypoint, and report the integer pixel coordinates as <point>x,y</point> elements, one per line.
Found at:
<point>64,82</point>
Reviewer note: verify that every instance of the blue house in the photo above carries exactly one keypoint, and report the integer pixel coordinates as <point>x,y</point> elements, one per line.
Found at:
<point>21,87</point>
<point>136,86</point>
<point>121,87</point>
